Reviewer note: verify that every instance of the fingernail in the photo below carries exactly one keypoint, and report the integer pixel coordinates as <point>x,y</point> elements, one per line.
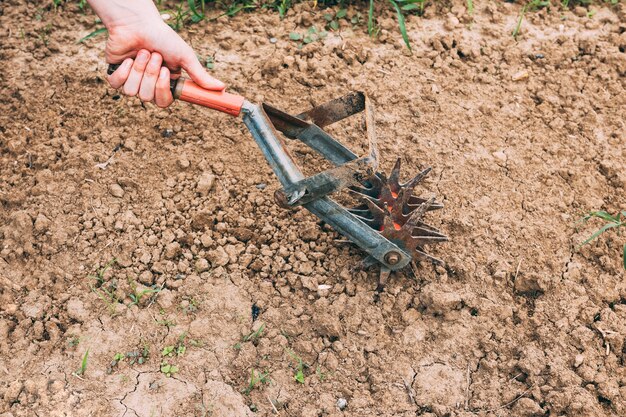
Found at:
<point>127,63</point>
<point>143,57</point>
<point>163,73</point>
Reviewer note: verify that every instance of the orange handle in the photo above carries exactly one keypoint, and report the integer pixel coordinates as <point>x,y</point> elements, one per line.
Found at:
<point>187,90</point>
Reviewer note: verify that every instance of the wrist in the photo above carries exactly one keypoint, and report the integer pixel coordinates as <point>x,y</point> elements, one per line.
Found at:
<point>126,13</point>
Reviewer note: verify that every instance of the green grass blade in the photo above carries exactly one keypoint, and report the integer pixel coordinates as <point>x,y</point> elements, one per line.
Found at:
<point>603,215</point>
<point>402,24</point>
<point>624,257</point>
<point>599,232</point>
<point>470,7</point>
<point>519,22</point>
<point>370,18</point>
<point>83,364</point>
<point>192,7</point>
<point>93,34</point>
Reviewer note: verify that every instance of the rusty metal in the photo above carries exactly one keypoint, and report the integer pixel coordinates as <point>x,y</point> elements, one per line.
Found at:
<point>391,208</point>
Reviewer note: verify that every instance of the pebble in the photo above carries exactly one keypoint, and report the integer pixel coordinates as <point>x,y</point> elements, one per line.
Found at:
<point>580,358</point>
<point>183,162</point>
<point>146,278</point>
<point>261,186</point>
<point>273,40</point>
<point>172,250</point>
<point>205,183</point>
<point>323,290</point>
<point>206,240</point>
<point>500,155</point>
<point>42,223</point>
<point>243,234</point>
<point>202,265</point>
<point>13,392</point>
<point>451,22</point>
<point>342,403</point>
<point>167,133</point>
<point>520,75</point>
<point>116,191</point>
<point>218,257</point>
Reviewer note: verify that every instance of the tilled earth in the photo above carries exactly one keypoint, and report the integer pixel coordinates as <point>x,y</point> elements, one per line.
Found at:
<point>149,238</point>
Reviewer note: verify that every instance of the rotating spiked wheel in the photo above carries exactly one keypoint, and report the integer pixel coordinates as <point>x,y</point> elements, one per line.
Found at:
<point>391,208</point>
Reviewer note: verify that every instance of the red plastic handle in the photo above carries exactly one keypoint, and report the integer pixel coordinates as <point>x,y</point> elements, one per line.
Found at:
<point>187,90</point>
<point>191,92</point>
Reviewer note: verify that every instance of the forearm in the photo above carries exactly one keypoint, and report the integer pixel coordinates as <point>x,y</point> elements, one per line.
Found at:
<point>123,12</point>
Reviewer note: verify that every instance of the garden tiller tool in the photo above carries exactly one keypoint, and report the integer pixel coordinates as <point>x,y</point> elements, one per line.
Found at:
<point>388,222</point>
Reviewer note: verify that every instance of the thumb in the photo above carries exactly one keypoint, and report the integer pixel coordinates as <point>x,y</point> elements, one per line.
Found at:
<point>199,75</point>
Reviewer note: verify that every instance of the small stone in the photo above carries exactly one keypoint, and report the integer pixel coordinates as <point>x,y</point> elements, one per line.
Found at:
<point>342,403</point>
<point>310,234</point>
<point>323,290</point>
<point>13,392</point>
<point>172,250</point>
<point>580,11</point>
<point>206,240</point>
<point>166,298</point>
<point>202,265</point>
<point>183,162</point>
<point>124,260</point>
<point>529,282</point>
<point>273,40</point>
<point>42,223</point>
<point>146,278</point>
<point>310,283</point>
<point>261,186</point>
<point>578,360</point>
<point>327,325</point>
<point>218,257</point>
<point>500,155</point>
<point>76,310</point>
<point>116,191</point>
<point>167,133</point>
<point>439,301</point>
<point>451,22</point>
<point>243,234</point>
<point>520,75</point>
<point>202,220</point>
<point>205,183</point>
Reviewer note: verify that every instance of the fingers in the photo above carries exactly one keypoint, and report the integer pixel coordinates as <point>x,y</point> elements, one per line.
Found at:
<point>198,74</point>
<point>162,94</point>
<point>150,75</point>
<point>144,76</point>
<point>118,78</point>
<point>133,82</point>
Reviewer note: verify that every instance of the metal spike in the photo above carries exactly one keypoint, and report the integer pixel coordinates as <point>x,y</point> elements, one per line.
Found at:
<point>416,201</point>
<point>394,176</point>
<point>410,185</point>
<point>417,215</point>
<point>422,232</point>
<point>427,257</point>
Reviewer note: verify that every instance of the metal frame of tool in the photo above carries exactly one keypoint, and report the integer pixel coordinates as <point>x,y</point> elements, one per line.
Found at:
<point>312,193</point>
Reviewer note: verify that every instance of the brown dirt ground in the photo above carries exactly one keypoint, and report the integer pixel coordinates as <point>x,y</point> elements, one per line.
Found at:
<point>518,323</point>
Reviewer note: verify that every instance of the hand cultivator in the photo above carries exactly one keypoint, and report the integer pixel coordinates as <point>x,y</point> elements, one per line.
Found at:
<point>388,224</point>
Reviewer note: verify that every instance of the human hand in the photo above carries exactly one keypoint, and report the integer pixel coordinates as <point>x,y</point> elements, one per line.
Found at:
<point>150,52</point>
